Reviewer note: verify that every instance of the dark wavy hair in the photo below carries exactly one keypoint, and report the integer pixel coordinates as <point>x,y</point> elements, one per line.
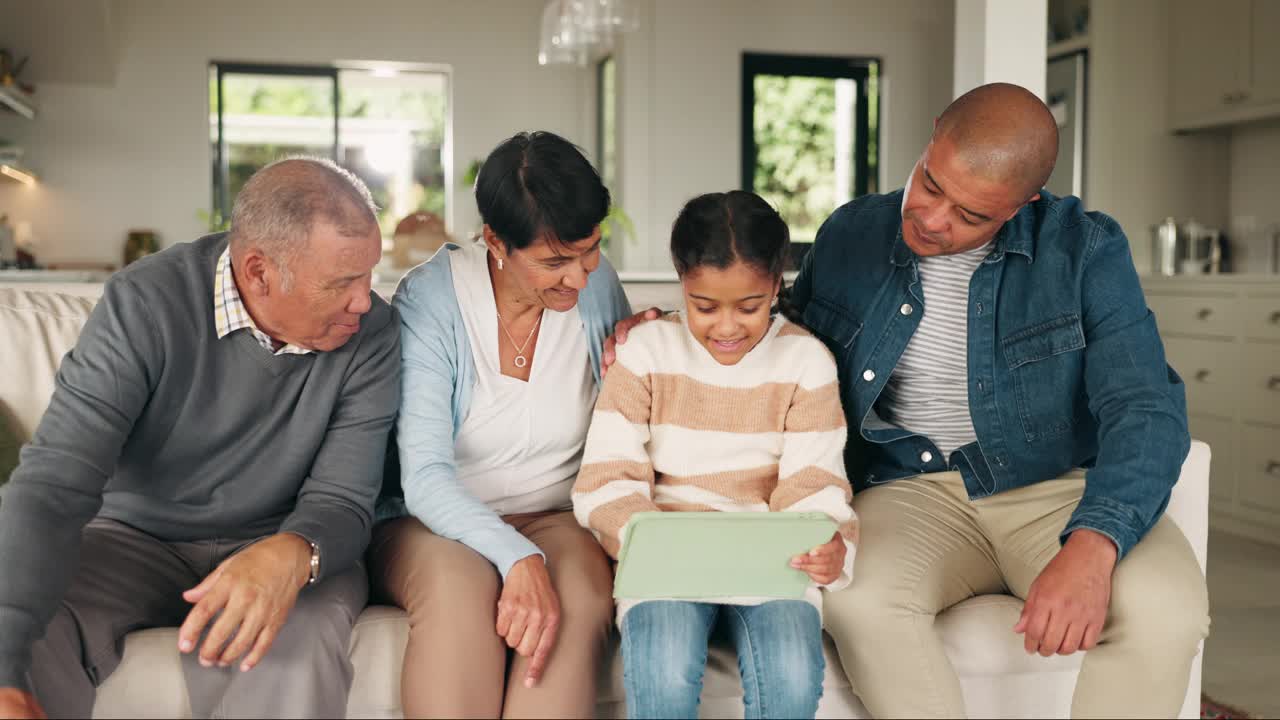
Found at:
<point>538,183</point>
<point>719,229</point>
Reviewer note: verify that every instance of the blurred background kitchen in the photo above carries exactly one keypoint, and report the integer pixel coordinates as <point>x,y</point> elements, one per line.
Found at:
<point>129,125</point>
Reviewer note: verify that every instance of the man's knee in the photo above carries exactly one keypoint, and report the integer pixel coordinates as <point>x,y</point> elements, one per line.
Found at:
<point>323,616</point>
<point>1160,607</point>
<point>869,604</point>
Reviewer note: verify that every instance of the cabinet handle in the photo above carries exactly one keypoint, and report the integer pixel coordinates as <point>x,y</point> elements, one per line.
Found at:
<point>1202,375</point>
<point>1274,383</point>
<point>1273,468</point>
<point>1228,98</point>
<point>1204,313</point>
<point>1275,318</point>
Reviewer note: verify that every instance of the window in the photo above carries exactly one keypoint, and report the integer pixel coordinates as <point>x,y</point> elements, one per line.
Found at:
<point>387,125</point>
<point>607,120</point>
<point>809,135</point>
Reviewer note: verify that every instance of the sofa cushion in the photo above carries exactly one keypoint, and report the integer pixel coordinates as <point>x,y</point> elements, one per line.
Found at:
<point>37,328</point>
<point>10,443</point>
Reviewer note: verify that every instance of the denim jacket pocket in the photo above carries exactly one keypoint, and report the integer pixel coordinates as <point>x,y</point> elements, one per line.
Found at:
<point>833,324</point>
<point>1044,360</point>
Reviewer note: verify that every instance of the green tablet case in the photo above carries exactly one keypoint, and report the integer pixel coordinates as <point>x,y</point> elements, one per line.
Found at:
<point>696,555</point>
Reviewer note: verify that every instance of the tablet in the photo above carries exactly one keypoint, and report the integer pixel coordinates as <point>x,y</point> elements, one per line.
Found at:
<point>698,555</point>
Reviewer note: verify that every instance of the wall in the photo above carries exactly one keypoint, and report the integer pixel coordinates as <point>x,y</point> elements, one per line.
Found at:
<point>1135,169</point>
<point>680,92</point>
<point>134,152</point>
<point>1254,189</point>
<point>992,44</point>
<point>131,152</point>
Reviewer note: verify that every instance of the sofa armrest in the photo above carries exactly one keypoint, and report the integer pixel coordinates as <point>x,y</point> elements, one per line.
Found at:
<point>1189,505</point>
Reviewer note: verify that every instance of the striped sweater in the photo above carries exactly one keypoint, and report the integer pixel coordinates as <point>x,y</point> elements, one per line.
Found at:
<point>674,430</point>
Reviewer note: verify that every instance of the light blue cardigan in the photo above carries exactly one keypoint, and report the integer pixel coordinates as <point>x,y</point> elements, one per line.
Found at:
<point>438,373</point>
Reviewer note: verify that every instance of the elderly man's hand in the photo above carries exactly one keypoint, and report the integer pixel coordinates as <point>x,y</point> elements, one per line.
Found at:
<point>619,336</point>
<point>254,590</point>
<point>1066,607</point>
<point>19,705</point>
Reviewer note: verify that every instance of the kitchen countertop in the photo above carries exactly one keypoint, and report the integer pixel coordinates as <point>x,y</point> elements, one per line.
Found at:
<point>1225,279</point>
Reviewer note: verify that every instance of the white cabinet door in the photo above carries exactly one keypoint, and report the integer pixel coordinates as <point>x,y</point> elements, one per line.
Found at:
<point>1264,52</point>
<point>1259,469</point>
<point>1209,56</point>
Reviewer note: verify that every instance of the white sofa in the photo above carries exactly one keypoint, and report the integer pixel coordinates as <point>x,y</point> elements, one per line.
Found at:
<point>998,678</point>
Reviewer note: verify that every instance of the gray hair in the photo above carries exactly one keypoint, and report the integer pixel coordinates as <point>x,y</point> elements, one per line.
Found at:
<point>278,207</point>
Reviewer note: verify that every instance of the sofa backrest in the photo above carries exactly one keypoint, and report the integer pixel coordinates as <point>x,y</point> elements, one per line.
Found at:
<point>37,328</point>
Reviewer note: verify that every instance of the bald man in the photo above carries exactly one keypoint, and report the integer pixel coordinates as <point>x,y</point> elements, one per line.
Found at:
<point>1018,428</point>
<point>210,459</point>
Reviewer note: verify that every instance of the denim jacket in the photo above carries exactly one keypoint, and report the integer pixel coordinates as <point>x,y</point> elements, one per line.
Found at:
<point>1066,368</point>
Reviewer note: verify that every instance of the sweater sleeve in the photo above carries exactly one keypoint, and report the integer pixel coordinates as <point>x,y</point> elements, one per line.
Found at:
<point>425,434</point>
<point>335,502</point>
<point>811,474</point>
<point>616,478</point>
<point>100,390</point>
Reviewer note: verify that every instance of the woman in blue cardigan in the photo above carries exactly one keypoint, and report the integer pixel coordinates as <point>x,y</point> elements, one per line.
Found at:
<point>501,368</point>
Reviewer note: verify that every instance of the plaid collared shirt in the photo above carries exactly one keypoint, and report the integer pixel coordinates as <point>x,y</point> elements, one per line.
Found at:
<point>230,315</point>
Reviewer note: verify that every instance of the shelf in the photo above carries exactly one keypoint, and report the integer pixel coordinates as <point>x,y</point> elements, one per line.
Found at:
<point>1068,46</point>
<point>17,173</point>
<point>18,101</point>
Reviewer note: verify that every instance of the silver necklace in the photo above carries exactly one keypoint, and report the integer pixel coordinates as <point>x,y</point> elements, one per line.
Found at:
<point>520,360</point>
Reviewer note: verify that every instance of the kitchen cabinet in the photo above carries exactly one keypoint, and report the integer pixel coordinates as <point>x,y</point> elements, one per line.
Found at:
<point>1264,52</point>
<point>1222,335</point>
<point>1224,62</point>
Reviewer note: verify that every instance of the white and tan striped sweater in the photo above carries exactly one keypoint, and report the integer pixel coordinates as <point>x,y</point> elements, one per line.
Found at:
<point>674,430</point>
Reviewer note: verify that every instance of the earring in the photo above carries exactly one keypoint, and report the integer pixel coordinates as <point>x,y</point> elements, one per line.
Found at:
<point>499,263</point>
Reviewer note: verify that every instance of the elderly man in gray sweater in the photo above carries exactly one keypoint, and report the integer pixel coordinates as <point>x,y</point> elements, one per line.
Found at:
<point>210,459</point>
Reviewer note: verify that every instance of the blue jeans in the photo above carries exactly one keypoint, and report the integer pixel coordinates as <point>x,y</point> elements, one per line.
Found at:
<point>664,654</point>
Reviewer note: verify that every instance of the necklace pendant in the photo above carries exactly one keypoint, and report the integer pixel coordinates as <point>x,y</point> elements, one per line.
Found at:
<point>520,361</point>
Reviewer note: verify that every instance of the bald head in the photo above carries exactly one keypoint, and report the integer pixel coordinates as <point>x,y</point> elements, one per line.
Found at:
<point>1003,133</point>
<point>279,206</point>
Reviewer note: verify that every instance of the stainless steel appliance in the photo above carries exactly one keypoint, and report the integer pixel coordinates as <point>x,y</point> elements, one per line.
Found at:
<point>1188,248</point>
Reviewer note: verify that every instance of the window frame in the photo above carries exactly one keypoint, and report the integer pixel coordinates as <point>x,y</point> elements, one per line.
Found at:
<point>856,68</point>
<point>221,162</point>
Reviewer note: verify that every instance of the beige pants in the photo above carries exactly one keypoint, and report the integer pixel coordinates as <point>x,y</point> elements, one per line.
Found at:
<point>455,664</point>
<point>925,547</point>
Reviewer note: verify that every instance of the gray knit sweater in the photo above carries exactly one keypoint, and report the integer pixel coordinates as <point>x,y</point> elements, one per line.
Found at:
<point>158,424</point>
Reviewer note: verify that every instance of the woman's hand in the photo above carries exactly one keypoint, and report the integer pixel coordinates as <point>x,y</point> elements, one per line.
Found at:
<point>823,563</point>
<point>529,614</point>
<point>619,336</point>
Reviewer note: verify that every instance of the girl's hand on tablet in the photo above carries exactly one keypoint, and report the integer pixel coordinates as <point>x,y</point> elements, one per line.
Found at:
<point>824,563</point>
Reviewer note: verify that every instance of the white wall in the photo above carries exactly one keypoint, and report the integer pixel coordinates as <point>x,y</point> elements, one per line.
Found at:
<point>680,87</point>
<point>992,44</point>
<point>1135,169</point>
<point>136,153</point>
<point>1254,193</point>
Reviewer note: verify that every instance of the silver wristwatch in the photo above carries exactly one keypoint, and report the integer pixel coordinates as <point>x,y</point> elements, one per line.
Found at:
<point>315,563</point>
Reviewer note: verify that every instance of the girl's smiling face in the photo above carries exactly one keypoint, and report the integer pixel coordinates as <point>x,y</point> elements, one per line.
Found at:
<point>728,309</point>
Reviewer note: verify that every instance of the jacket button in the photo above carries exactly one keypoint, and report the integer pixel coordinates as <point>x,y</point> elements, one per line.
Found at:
<point>926,457</point>
<point>868,375</point>
<point>906,309</point>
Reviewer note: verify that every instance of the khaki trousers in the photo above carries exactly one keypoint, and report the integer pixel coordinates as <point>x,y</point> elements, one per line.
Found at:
<point>925,547</point>
<point>128,580</point>
<point>456,664</point>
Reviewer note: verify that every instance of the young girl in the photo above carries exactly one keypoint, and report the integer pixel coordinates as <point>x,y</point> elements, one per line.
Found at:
<point>724,407</point>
